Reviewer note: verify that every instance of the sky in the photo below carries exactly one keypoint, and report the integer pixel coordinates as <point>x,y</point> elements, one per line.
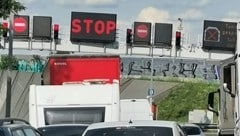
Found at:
<point>191,12</point>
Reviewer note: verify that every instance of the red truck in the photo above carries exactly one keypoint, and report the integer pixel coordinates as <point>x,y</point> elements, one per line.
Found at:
<point>77,68</point>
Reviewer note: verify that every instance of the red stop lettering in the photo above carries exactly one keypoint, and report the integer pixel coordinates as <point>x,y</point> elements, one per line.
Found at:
<point>111,26</point>
<point>99,27</point>
<point>88,23</point>
<point>76,27</point>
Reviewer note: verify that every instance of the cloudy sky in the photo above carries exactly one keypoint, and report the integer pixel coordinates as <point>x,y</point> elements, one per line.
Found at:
<point>192,13</point>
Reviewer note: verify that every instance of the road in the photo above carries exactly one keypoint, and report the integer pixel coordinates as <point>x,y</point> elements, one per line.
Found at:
<point>211,133</point>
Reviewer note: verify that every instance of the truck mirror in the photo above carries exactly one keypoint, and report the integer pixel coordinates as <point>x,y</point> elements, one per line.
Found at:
<point>211,102</point>
<point>227,90</point>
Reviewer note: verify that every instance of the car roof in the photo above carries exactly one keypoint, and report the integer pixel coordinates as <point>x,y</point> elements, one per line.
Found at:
<point>133,123</point>
<point>189,125</point>
<point>13,123</point>
<point>61,125</point>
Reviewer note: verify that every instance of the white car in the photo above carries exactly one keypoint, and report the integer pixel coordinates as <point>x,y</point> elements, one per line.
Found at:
<point>63,129</point>
<point>192,129</point>
<point>135,128</point>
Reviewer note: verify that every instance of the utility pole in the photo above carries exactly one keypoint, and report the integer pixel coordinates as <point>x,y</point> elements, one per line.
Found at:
<point>9,72</point>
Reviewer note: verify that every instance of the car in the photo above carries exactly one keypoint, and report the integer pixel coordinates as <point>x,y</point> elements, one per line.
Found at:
<point>63,129</point>
<point>192,129</point>
<point>17,127</point>
<point>135,128</point>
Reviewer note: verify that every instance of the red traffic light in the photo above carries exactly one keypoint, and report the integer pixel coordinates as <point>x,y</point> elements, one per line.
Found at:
<point>178,34</point>
<point>5,25</point>
<point>129,31</point>
<point>5,29</point>
<point>55,27</point>
<point>55,30</point>
<point>129,36</point>
<point>178,40</point>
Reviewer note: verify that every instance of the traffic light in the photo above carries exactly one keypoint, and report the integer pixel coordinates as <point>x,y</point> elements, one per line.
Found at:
<point>129,36</point>
<point>4,29</point>
<point>55,31</point>
<point>178,40</point>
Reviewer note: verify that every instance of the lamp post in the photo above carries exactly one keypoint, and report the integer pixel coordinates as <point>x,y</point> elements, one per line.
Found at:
<point>9,77</point>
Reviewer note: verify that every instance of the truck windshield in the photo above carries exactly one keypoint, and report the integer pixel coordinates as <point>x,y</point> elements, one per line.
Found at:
<point>131,131</point>
<point>80,115</point>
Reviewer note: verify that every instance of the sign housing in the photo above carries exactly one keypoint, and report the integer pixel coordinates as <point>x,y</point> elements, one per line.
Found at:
<point>218,35</point>
<point>93,27</point>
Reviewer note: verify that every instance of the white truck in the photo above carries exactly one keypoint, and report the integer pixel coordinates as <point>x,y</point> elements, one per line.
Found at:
<point>84,103</point>
<point>135,109</point>
<point>228,110</point>
<point>226,103</point>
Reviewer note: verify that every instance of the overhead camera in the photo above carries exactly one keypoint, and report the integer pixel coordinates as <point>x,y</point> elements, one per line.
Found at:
<point>179,19</point>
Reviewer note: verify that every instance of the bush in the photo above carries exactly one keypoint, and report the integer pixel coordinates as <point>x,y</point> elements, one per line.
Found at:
<point>4,62</point>
<point>187,97</point>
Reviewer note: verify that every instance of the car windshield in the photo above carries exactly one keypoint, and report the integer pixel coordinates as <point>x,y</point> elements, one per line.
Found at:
<point>63,130</point>
<point>131,131</point>
<point>191,130</point>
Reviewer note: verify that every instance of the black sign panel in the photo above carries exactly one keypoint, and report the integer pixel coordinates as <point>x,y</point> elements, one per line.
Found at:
<point>21,27</point>
<point>42,27</point>
<point>142,33</point>
<point>218,35</point>
<point>93,27</point>
<point>163,35</point>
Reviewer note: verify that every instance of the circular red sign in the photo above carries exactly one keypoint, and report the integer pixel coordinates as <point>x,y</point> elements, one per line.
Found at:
<point>142,31</point>
<point>19,24</point>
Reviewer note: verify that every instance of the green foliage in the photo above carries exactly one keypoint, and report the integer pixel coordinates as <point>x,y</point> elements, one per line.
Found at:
<point>7,7</point>
<point>187,97</point>
<point>4,62</point>
<point>10,6</point>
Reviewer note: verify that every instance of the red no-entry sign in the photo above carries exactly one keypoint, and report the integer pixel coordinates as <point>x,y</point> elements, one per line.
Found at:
<point>142,31</point>
<point>19,24</point>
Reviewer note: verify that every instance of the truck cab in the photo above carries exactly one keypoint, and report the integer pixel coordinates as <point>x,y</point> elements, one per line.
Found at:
<point>225,97</point>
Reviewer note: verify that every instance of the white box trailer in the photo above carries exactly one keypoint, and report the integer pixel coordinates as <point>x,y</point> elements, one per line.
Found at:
<point>83,103</point>
<point>135,109</point>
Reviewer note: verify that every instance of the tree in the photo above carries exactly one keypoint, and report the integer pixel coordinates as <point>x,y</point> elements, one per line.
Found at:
<point>10,6</point>
<point>7,7</point>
